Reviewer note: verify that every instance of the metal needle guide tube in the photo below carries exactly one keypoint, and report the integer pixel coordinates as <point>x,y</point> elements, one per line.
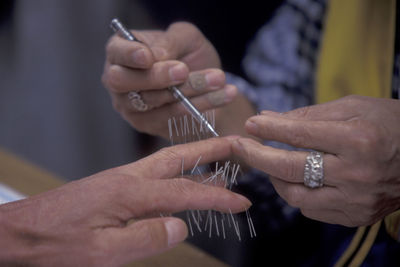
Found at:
<point>118,27</point>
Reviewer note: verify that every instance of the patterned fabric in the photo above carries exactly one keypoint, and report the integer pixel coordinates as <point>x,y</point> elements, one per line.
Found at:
<point>280,65</point>
<point>281,61</point>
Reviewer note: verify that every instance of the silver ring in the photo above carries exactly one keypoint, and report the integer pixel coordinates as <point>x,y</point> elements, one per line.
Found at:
<point>137,101</point>
<point>314,170</point>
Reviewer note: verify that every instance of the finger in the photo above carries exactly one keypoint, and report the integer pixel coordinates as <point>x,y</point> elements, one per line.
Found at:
<point>168,161</point>
<point>198,83</point>
<point>211,100</point>
<point>146,122</point>
<point>129,54</point>
<point>286,165</point>
<point>144,238</point>
<point>339,110</point>
<point>328,136</point>
<point>300,196</point>
<point>179,194</point>
<point>162,74</point>
<point>203,102</point>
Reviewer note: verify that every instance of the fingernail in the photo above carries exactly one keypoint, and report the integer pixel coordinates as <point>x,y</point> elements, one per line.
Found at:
<point>246,203</point>
<point>251,127</point>
<point>230,93</point>
<point>175,231</point>
<point>178,73</point>
<point>215,79</point>
<point>139,57</point>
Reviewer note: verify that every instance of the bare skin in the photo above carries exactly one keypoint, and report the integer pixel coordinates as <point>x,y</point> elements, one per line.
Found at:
<point>359,135</point>
<point>181,56</point>
<point>361,140</point>
<point>89,222</point>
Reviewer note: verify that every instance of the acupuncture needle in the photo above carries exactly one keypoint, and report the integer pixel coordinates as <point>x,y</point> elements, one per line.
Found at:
<point>118,27</point>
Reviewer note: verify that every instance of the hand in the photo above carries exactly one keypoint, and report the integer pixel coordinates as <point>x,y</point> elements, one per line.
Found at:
<point>85,223</point>
<point>361,140</point>
<point>181,55</point>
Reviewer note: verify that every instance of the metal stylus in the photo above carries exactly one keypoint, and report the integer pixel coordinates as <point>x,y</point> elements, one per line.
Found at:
<point>118,27</point>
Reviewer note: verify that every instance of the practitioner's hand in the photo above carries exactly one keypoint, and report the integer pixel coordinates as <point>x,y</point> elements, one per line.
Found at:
<point>85,223</point>
<point>180,56</point>
<point>361,140</point>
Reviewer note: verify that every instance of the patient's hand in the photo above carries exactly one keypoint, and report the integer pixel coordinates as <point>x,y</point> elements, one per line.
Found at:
<point>85,223</point>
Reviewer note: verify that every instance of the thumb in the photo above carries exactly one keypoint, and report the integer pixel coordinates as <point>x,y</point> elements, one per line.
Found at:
<point>148,237</point>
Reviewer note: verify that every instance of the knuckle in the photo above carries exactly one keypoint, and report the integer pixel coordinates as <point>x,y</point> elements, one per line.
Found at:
<point>183,187</point>
<point>169,158</point>
<point>169,154</point>
<point>291,170</point>
<point>353,100</point>
<point>302,112</point>
<point>367,137</point>
<point>301,137</point>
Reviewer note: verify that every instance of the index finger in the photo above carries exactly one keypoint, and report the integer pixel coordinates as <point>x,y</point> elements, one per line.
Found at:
<point>169,162</point>
<point>284,164</point>
<point>337,110</point>
<point>327,136</point>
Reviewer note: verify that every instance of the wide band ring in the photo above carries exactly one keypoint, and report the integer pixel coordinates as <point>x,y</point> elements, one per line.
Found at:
<point>314,170</point>
<point>137,102</point>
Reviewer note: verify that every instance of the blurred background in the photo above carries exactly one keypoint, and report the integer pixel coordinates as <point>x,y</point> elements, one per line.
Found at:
<point>54,110</point>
